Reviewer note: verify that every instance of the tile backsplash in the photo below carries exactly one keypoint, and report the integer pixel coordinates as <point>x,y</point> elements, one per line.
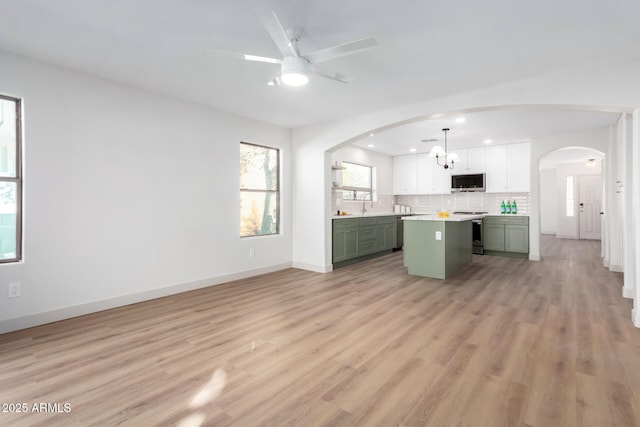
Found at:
<point>472,202</point>
<point>382,204</point>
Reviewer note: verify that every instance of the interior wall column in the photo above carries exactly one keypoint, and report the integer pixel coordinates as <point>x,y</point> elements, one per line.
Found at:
<point>635,217</point>
<point>628,215</point>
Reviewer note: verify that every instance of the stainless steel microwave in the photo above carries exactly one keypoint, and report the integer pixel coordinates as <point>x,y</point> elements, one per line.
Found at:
<point>471,182</point>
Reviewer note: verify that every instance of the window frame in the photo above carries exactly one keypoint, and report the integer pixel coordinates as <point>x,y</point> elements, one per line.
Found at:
<point>17,179</point>
<point>254,190</point>
<point>355,190</point>
<point>570,196</point>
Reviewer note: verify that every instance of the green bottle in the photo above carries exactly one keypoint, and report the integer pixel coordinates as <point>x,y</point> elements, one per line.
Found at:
<point>503,208</point>
<point>508,207</point>
<point>514,208</point>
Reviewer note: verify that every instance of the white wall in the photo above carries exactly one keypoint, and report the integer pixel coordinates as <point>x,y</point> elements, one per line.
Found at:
<point>548,201</point>
<point>128,195</point>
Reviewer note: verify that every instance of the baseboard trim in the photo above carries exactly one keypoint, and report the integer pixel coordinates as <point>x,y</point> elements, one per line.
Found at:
<point>43,318</point>
<point>313,267</point>
<point>616,268</point>
<point>628,293</point>
<point>635,319</point>
<point>533,257</point>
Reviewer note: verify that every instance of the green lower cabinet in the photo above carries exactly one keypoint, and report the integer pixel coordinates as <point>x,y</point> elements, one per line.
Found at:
<point>385,237</point>
<point>493,238</point>
<point>437,249</point>
<point>358,239</point>
<point>345,244</point>
<point>345,239</point>
<point>516,238</point>
<point>506,236</point>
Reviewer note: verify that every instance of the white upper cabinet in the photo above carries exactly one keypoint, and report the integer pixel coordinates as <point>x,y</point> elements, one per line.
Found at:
<point>432,179</point>
<point>472,160</point>
<point>426,177</point>
<point>404,174</point>
<point>508,168</point>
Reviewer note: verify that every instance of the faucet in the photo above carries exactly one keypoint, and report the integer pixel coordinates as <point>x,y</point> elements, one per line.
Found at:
<point>364,201</point>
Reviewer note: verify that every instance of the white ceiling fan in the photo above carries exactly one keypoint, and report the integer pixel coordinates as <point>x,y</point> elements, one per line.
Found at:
<point>294,66</point>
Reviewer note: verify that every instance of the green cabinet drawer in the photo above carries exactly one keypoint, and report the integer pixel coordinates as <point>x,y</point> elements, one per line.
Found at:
<point>506,220</point>
<point>366,233</point>
<point>385,220</point>
<point>341,224</point>
<point>367,221</point>
<point>366,247</point>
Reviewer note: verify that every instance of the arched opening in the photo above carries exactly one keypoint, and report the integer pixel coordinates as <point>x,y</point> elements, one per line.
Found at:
<point>563,135</point>
<point>571,188</point>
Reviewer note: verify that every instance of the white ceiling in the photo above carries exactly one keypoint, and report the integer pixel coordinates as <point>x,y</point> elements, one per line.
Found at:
<point>426,49</point>
<point>499,126</point>
<point>569,155</point>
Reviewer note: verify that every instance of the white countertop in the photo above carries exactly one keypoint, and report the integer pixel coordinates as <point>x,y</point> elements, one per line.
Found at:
<point>426,216</point>
<point>435,217</point>
<point>368,214</point>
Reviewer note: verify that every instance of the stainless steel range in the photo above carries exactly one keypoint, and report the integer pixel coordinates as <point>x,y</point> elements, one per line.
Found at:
<point>476,226</point>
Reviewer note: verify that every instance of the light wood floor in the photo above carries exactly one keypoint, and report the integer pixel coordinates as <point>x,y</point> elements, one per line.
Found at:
<point>508,342</point>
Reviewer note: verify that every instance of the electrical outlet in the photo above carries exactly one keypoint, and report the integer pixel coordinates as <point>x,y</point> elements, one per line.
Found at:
<point>252,253</point>
<point>438,235</point>
<point>14,290</point>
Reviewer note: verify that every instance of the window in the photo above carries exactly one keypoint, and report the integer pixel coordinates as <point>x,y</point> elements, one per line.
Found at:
<point>570,202</point>
<point>357,181</point>
<point>259,190</point>
<point>10,180</point>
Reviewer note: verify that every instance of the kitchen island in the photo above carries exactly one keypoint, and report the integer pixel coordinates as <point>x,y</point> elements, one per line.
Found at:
<point>437,247</point>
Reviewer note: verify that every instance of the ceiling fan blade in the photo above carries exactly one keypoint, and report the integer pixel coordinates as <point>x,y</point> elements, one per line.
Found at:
<point>262,59</point>
<point>278,34</point>
<point>341,50</point>
<point>333,75</point>
<point>246,56</point>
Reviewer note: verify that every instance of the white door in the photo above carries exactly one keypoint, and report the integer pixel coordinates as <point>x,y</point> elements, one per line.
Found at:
<point>590,202</point>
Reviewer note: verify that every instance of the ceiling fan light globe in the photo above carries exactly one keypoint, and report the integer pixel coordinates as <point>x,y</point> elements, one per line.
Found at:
<point>294,78</point>
<point>294,71</point>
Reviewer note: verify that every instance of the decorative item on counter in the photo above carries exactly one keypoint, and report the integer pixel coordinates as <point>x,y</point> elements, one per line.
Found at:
<point>408,209</point>
<point>396,209</point>
<point>508,207</point>
<point>514,208</point>
<point>503,208</point>
<point>403,209</point>
<point>443,213</point>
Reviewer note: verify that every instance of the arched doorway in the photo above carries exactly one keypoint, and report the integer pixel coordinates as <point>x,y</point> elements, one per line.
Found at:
<point>571,192</point>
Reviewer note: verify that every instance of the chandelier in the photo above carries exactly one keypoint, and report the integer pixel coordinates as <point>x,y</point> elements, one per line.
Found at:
<point>448,158</point>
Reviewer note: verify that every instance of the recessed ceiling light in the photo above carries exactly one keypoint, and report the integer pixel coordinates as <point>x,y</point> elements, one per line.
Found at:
<point>413,150</point>
<point>488,141</point>
<point>370,145</point>
<point>371,134</point>
<point>461,120</point>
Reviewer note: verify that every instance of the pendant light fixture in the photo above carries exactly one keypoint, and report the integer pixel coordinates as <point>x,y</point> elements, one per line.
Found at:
<point>438,152</point>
